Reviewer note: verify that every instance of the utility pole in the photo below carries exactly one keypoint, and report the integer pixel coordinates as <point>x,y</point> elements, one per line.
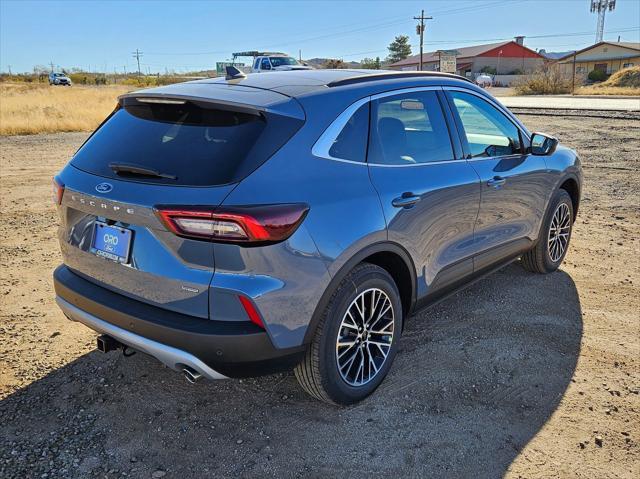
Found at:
<point>573,74</point>
<point>9,66</point>
<point>137,54</point>
<point>601,7</point>
<point>51,63</point>
<point>420,31</point>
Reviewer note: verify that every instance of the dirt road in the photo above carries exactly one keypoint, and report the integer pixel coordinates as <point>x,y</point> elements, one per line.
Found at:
<point>520,375</point>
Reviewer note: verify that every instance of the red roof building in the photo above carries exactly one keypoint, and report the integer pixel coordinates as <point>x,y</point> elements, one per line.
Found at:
<point>507,58</point>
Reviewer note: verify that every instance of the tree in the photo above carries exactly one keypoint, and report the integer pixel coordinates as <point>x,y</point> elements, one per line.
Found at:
<point>399,49</point>
<point>371,64</point>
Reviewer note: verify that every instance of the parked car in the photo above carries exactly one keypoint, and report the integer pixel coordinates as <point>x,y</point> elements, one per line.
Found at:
<point>296,221</point>
<point>273,63</point>
<point>59,79</point>
<point>484,80</point>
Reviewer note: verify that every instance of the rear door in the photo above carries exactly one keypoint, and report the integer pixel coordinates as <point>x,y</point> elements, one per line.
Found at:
<point>162,151</point>
<point>513,189</point>
<point>430,195</point>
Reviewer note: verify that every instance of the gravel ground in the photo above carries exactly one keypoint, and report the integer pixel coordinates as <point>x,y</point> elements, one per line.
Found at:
<point>520,375</point>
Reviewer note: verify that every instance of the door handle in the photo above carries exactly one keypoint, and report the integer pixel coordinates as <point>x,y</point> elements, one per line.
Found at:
<point>496,181</point>
<point>406,200</point>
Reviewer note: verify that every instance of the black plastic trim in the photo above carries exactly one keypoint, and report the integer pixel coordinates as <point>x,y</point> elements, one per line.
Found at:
<point>235,349</point>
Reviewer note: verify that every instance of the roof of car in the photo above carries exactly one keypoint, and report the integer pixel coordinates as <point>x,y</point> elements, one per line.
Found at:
<point>296,83</point>
<point>272,91</point>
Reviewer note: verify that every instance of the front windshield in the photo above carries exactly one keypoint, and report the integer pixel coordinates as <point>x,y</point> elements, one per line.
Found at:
<point>279,61</point>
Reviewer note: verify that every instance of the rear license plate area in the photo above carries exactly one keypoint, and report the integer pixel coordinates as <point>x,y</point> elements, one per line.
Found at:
<point>111,242</point>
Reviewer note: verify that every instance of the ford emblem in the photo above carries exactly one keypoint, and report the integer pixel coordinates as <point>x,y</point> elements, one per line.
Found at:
<point>104,187</point>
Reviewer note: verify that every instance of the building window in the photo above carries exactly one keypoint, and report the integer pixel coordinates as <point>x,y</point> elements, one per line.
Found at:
<point>581,70</point>
<point>627,65</point>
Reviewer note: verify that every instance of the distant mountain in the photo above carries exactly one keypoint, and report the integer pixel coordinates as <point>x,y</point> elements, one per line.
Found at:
<point>554,55</point>
<point>318,62</point>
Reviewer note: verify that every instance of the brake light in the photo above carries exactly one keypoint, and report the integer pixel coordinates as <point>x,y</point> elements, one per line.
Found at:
<point>251,311</point>
<point>246,224</point>
<point>57,190</point>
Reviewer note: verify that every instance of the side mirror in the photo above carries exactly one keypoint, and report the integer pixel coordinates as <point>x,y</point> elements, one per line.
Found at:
<point>542,144</point>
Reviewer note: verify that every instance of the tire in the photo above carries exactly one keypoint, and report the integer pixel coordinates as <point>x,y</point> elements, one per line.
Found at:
<point>318,373</point>
<point>544,257</point>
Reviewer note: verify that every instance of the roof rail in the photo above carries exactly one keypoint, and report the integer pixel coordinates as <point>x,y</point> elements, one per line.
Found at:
<point>392,75</point>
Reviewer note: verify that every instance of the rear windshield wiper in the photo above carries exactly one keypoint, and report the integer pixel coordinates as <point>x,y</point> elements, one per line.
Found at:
<point>139,170</point>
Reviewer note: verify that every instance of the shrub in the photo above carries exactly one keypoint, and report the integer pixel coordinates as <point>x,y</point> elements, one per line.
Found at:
<point>546,81</point>
<point>597,75</point>
<point>489,70</point>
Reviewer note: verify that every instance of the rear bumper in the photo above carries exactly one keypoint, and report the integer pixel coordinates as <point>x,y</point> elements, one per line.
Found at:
<point>216,349</point>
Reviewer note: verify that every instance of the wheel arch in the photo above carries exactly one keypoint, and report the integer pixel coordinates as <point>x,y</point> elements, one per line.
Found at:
<point>391,257</point>
<point>571,185</point>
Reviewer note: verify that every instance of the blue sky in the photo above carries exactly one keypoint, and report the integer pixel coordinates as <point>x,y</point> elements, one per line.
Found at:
<point>191,35</point>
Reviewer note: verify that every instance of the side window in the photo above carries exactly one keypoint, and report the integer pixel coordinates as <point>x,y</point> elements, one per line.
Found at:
<point>256,66</point>
<point>351,143</point>
<point>407,129</point>
<point>489,132</point>
<point>265,64</point>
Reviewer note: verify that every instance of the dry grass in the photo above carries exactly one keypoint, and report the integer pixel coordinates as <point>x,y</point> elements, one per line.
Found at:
<point>27,109</point>
<point>622,82</point>
<point>607,90</point>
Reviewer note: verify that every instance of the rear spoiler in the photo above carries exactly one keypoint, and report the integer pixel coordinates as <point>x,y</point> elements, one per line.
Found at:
<point>176,99</point>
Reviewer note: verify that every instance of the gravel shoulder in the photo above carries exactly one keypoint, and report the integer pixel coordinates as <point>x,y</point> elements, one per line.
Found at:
<point>520,375</point>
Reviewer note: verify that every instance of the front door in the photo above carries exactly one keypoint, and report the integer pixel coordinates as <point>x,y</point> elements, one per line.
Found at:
<point>513,192</point>
<point>430,196</point>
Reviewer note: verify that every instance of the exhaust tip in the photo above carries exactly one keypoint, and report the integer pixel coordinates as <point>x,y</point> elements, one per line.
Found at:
<point>191,375</point>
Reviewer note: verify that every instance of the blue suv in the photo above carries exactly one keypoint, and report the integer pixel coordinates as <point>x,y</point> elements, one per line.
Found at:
<point>245,225</point>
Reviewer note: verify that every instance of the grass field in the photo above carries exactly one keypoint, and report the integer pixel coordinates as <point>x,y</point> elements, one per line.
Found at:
<point>27,109</point>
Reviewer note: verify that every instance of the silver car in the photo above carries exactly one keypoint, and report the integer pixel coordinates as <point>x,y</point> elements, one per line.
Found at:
<point>59,79</point>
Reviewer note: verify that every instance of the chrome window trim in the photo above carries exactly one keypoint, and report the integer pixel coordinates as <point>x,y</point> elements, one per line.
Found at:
<point>323,144</point>
<point>413,165</point>
<point>401,91</point>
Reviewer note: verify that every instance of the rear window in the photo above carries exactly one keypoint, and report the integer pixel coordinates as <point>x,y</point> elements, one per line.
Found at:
<point>185,144</point>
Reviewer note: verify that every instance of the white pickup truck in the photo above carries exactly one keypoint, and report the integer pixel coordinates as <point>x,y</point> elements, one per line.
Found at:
<point>270,63</point>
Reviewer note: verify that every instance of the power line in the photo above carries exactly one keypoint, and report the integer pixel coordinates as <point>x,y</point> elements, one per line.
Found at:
<point>389,22</point>
<point>459,41</point>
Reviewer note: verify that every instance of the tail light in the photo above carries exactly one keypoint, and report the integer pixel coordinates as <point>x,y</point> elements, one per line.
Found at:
<point>244,225</point>
<point>57,190</point>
